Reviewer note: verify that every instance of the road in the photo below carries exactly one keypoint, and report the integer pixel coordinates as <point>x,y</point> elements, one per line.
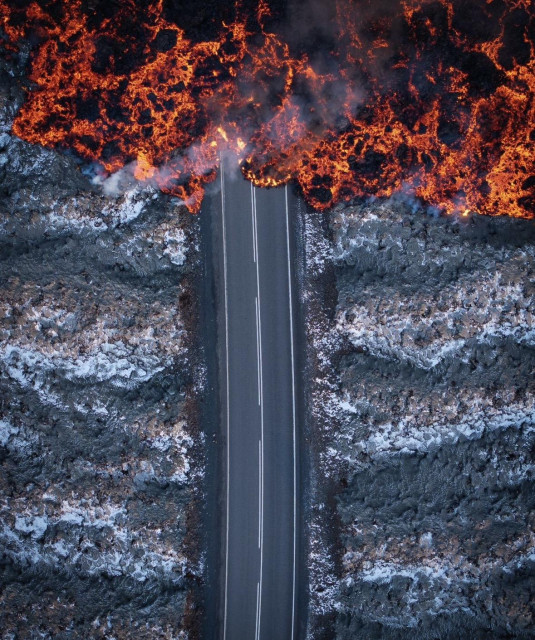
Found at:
<point>259,575</point>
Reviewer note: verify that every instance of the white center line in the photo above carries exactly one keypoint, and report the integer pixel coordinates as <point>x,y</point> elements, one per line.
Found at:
<point>260,475</point>
<point>254,225</point>
<point>261,395</point>
<point>293,411</point>
<point>227,389</point>
<point>257,629</point>
<point>259,330</point>
<point>258,355</point>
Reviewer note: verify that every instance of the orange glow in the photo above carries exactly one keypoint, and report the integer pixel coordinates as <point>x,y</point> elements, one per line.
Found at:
<point>144,170</point>
<point>444,113</point>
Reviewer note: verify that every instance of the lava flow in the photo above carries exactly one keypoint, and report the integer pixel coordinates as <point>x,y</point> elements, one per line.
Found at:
<point>364,98</point>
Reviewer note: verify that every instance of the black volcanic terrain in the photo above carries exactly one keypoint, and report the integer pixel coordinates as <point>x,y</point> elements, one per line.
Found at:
<point>418,367</point>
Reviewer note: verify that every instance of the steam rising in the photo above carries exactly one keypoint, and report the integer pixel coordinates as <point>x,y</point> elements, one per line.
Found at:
<point>350,98</point>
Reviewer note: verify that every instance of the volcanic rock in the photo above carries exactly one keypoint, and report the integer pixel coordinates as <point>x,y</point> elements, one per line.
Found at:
<point>433,452</point>
<point>97,444</point>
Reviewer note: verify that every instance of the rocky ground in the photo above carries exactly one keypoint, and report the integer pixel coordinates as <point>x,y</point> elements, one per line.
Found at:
<point>428,423</point>
<point>98,368</point>
<point>421,356</point>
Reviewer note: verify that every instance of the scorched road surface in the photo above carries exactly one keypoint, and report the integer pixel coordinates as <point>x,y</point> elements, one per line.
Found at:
<point>257,381</point>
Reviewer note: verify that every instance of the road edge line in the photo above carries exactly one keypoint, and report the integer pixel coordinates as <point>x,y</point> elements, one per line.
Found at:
<point>293,408</point>
<point>224,228</point>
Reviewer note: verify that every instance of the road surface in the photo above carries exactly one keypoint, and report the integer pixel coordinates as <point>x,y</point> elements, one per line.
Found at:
<point>259,575</point>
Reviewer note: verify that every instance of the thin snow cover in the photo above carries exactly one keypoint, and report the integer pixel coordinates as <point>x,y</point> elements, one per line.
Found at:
<point>355,229</point>
<point>6,431</point>
<point>442,578</point>
<point>323,581</point>
<point>27,165</point>
<point>382,572</point>
<point>410,435</point>
<point>420,579</point>
<point>322,342</point>
<point>176,443</point>
<point>318,248</point>
<point>356,232</point>
<point>70,214</point>
<point>401,438</point>
<point>27,541</point>
<point>99,515</point>
<point>130,206</point>
<point>33,525</point>
<point>426,329</point>
<point>25,545</point>
<point>175,246</point>
<point>82,212</point>
<point>114,363</point>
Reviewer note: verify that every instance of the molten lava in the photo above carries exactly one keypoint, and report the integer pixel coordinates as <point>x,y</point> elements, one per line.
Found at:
<point>435,97</point>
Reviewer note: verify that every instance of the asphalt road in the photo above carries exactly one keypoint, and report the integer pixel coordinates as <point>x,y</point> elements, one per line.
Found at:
<point>259,574</point>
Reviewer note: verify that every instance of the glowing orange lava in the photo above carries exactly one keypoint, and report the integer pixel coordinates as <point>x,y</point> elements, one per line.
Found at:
<point>435,97</point>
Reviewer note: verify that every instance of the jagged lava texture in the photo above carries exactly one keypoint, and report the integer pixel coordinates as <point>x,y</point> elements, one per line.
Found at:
<point>96,453</point>
<point>435,454</point>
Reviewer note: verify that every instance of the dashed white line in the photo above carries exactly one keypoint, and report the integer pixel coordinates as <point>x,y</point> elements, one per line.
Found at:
<point>260,476</point>
<point>293,411</point>
<point>254,224</point>
<point>258,354</point>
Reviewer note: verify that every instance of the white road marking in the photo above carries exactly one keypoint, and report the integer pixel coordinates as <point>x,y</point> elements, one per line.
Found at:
<point>258,318</point>
<point>254,225</point>
<point>261,441</point>
<point>259,491</point>
<point>257,629</point>
<point>228,394</point>
<point>293,411</point>
<point>261,462</point>
<point>258,355</point>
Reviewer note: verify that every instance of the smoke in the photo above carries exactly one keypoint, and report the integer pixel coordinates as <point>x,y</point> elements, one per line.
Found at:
<point>348,98</point>
<point>115,184</point>
<point>119,182</point>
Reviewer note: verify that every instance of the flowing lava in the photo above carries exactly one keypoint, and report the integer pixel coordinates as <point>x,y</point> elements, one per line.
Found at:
<point>435,97</point>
